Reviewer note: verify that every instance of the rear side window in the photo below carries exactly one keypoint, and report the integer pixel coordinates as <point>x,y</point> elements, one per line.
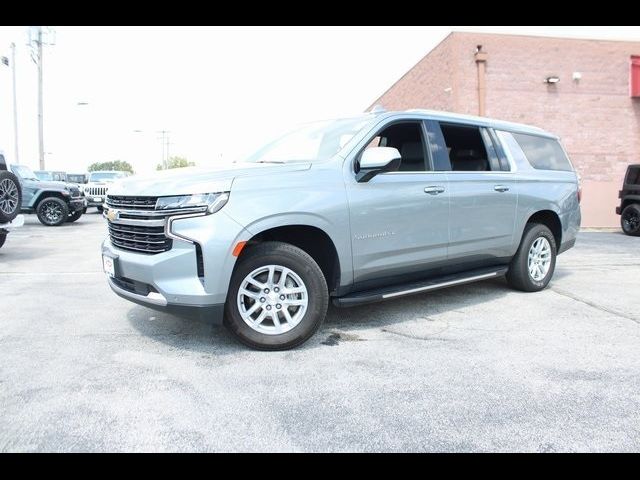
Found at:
<point>543,153</point>
<point>633,176</point>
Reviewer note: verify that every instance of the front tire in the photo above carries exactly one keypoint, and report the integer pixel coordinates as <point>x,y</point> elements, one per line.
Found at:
<point>100,209</point>
<point>10,196</point>
<point>74,216</point>
<point>3,237</point>
<point>630,220</point>
<point>52,211</point>
<point>533,265</point>
<point>277,298</point>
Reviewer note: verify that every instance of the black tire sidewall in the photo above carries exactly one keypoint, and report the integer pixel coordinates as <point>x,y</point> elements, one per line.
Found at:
<point>519,275</point>
<point>277,253</point>
<point>6,175</point>
<point>63,217</point>
<point>3,238</point>
<point>633,207</point>
<point>74,216</point>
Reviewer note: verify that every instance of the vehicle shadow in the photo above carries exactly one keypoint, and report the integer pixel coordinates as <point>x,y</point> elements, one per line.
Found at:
<point>202,337</point>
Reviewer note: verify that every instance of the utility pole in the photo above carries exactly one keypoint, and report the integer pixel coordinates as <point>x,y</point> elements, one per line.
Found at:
<point>165,147</point>
<point>15,104</point>
<point>40,113</point>
<point>39,41</point>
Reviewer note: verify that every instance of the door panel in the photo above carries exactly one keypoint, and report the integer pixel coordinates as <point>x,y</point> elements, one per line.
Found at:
<point>483,196</point>
<point>483,209</point>
<point>398,228</point>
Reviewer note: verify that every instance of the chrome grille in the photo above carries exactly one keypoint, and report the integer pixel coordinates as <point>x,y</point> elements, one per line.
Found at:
<point>138,238</point>
<point>143,203</point>
<point>95,191</point>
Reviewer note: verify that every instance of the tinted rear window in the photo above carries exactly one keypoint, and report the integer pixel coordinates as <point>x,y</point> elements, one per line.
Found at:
<point>633,176</point>
<point>543,153</point>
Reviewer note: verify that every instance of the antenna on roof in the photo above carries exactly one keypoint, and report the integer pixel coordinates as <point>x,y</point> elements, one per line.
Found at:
<point>377,109</point>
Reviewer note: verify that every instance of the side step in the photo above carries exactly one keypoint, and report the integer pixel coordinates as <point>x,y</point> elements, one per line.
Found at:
<point>436,283</point>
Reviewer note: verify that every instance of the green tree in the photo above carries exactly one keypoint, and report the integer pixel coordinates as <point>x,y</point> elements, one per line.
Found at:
<point>118,165</point>
<point>176,162</point>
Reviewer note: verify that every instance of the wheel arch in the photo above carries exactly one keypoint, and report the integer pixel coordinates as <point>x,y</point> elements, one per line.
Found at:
<point>310,237</point>
<point>629,200</point>
<point>42,194</point>
<point>550,219</point>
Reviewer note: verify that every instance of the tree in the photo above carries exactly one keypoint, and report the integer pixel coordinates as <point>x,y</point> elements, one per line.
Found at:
<point>118,165</point>
<point>176,162</point>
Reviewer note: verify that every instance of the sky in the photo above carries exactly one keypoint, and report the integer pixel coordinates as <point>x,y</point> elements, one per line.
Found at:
<point>221,92</point>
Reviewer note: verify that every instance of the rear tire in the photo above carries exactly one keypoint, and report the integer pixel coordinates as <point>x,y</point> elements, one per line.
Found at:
<point>533,265</point>
<point>52,211</point>
<point>630,220</point>
<point>74,216</point>
<point>10,196</point>
<point>277,297</point>
<point>3,237</point>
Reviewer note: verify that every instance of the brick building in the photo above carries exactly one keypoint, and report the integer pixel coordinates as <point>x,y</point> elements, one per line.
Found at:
<point>590,105</point>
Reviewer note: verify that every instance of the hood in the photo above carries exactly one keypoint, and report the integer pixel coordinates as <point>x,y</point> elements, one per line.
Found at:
<point>182,181</point>
<point>51,185</point>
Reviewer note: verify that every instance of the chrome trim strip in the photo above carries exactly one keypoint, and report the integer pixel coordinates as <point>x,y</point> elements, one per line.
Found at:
<point>118,228</point>
<point>152,297</point>
<point>124,239</point>
<point>440,285</point>
<point>140,223</point>
<point>158,213</point>
<point>169,225</point>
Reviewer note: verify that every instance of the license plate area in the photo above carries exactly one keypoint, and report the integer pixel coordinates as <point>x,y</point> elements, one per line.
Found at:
<point>110,265</point>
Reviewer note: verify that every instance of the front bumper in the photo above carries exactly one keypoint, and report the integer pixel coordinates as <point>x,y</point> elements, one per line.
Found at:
<point>95,201</point>
<point>213,314</point>
<point>169,281</point>
<point>77,203</point>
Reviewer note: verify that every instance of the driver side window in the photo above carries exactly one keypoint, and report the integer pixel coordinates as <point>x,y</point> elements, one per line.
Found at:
<point>408,139</point>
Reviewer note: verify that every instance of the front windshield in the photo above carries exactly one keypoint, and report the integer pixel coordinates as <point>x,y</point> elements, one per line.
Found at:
<point>311,142</point>
<point>102,176</point>
<point>76,178</point>
<point>44,175</point>
<point>24,172</point>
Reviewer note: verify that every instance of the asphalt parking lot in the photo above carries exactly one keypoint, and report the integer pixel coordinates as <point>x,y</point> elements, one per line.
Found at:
<point>472,368</point>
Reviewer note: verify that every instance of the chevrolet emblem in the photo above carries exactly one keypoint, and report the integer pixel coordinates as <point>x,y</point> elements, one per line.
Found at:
<point>113,215</point>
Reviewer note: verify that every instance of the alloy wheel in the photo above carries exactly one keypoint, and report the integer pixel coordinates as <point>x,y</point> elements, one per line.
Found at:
<point>272,299</point>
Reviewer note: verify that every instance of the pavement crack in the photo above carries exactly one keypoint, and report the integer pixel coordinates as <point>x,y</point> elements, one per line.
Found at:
<point>570,295</point>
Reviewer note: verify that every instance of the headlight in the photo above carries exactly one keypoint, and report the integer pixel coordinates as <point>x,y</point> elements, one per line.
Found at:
<point>212,201</point>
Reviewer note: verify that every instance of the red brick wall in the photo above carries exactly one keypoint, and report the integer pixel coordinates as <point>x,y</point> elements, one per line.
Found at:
<point>597,121</point>
<point>424,84</point>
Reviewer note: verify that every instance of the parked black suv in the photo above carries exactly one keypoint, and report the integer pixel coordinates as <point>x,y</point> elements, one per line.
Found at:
<point>629,209</point>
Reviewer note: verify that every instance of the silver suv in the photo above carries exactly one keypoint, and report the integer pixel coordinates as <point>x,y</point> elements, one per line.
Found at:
<point>354,210</point>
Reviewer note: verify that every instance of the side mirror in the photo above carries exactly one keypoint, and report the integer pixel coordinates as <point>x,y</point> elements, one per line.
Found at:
<point>377,160</point>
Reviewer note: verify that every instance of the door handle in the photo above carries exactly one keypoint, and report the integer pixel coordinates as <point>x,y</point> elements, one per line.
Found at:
<point>433,190</point>
<point>501,188</point>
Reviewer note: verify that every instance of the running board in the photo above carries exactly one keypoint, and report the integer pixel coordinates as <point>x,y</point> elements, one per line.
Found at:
<point>436,283</point>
